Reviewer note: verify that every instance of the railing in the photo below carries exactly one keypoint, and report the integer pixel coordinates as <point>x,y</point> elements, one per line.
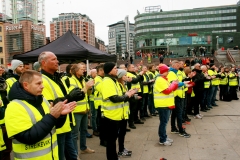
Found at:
<point>230,58</point>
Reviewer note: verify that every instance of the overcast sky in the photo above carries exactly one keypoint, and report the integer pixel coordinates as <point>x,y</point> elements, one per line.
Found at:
<point>105,12</point>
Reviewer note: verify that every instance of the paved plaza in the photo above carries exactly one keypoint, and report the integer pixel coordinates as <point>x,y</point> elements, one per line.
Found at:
<point>215,137</point>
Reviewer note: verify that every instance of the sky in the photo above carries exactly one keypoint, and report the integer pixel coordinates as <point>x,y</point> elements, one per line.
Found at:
<point>106,12</point>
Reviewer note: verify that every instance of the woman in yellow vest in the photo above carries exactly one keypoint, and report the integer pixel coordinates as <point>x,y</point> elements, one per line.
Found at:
<point>223,83</point>
<point>233,84</point>
<point>122,79</point>
<point>32,124</point>
<point>164,101</point>
<point>112,107</point>
<point>82,108</point>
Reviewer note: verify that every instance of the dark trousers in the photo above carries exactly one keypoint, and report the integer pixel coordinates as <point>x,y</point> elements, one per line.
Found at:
<point>143,111</point>
<point>133,107</point>
<point>112,130</point>
<point>138,107</point>
<point>177,114</point>
<point>5,154</point>
<point>233,92</point>
<point>223,91</point>
<point>121,134</point>
<point>101,125</point>
<point>205,100</point>
<point>184,113</point>
<point>151,106</point>
<point>189,104</point>
<point>197,101</point>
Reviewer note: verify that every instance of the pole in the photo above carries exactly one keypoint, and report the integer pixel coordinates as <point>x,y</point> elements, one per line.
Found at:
<point>87,62</point>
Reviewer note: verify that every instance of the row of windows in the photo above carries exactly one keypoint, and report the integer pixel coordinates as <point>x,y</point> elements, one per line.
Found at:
<point>187,21</point>
<point>220,31</point>
<point>187,14</point>
<point>187,27</point>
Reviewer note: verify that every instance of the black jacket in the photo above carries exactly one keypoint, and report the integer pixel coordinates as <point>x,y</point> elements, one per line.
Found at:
<point>138,78</point>
<point>43,127</point>
<point>199,80</point>
<point>117,98</point>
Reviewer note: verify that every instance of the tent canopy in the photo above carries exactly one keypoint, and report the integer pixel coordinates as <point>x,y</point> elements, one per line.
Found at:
<point>69,49</point>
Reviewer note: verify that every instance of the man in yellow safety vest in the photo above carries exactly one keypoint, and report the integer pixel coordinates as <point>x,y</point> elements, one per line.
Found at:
<point>33,124</point>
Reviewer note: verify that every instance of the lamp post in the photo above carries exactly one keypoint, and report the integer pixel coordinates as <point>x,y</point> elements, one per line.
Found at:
<point>217,45</point>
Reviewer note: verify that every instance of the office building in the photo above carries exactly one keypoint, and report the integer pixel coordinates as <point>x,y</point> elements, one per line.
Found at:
<point>99,44</point>
<point>210,27</point>
<point>22,27</point>
<point>80,24</point>
<point>120,38</point>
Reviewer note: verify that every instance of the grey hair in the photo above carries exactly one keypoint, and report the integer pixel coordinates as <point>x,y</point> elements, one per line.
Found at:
<point>42,57</point>
<point>203,66</point>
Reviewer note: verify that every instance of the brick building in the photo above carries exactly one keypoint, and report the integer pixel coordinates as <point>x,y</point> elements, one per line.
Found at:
<point>81,25</point>
<point>99,44</point>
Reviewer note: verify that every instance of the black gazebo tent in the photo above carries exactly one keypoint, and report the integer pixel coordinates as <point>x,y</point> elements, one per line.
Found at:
<point>69,49</point>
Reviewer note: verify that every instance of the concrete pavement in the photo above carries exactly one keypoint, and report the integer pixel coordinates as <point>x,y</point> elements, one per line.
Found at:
<point>215,137</point>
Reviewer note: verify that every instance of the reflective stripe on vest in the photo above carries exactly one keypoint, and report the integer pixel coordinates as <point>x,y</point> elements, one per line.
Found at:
<point>33,120</point>
<point>54,92</point>
<point>163,97</point>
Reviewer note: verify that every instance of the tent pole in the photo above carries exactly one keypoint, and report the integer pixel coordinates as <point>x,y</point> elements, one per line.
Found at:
<point>87,62</point>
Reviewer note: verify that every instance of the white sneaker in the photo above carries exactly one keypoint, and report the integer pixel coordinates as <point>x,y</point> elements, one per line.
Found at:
<point>167,143</point>
<point>197,116</point>
<point>201,115</point>
<point>169,140</point>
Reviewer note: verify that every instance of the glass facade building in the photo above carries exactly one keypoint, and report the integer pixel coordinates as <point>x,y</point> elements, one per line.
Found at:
<point>177,30</point>
<point>121,37</point>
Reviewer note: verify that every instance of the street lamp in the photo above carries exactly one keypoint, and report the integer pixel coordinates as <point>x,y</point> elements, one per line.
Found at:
<point>217,46</point>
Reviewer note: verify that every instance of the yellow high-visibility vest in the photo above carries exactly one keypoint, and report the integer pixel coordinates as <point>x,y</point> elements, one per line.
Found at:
<point>134,86</point>
<point>83,104</point>
<point>10,81</point>
<point>173,77</point>
<point>145,87</point>
<point>126,110</point>
<point>98,93</point>
<point>224,81</point>
<point>111,110</point>
<point>161,99</point>
<point>21,120</point>
<point>214,81</point>
<point>233,81</point>
<point>52,91</point>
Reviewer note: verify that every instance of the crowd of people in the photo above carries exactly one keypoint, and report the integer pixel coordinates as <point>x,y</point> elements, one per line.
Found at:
<point>45,114</point>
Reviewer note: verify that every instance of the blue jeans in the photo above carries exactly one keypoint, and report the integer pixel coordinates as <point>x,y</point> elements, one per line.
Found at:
<point>81,126</point>
<point>209,96</point>
<point>177,113</point>
<point>214,90</point>
<point>65,145</point>
<point>151,106</point>
<point>164,115</point>
<point>94,115</point>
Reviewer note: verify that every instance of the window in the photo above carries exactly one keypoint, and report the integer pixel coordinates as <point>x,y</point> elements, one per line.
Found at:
<point>0,29</point>
<point>1,49</point>
<point>0,38</point>
<point>1,60</point>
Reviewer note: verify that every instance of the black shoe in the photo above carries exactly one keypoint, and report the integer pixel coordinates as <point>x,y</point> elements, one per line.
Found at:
<point>215,105</point>
<point>185,134</point>
<point>187,119</point>
<point>203,110</point>
<point>207,108</point>
<point>236,99</point>
<point>128,130</point>
<point>103,143</point>
<point>143,119</point>
<point>174,131</point>
<point>95,133</point>
<point>216,100</point>
<point>89,127</point>
<point>138,122</point>
<point>191,113</point>
<point>147,116</point>
<point>132,126</point>
<point>154,114</point>
<point>124,154</point>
